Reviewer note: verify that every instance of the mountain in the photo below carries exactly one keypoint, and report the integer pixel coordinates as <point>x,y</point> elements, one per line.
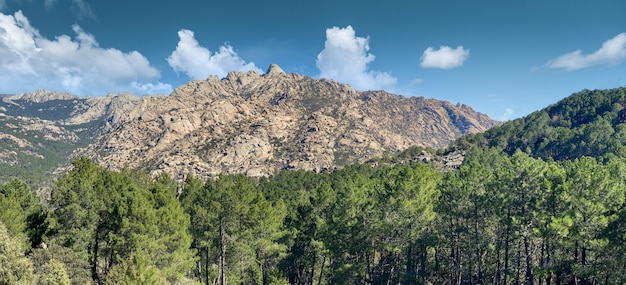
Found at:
<point>40,131</point>
<point>587,123</point>
<point>259,124</point>
<point>243,123</point>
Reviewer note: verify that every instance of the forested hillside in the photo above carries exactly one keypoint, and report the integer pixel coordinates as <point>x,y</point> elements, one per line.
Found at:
<point>587,123</point>
<point>41,130</point>
<point>499,219</point>
<point>539,200</point>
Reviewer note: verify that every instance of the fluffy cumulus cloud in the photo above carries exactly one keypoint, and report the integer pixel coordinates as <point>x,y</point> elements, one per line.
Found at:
<point>79,65</point>
<point>199,63</point>
<point>445,57</point>
<point>345,58</point>
<point>613,51</point>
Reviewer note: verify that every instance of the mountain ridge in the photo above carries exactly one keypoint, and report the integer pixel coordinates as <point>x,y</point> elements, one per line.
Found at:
<point>259,124</point>
<point>250,123</point>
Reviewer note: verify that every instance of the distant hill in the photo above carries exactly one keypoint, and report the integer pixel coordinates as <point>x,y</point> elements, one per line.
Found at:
<point>587,123</point>
<point>40,131</point>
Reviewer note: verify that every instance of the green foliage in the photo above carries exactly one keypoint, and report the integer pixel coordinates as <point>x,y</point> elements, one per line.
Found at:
<point>34,161</point>
<point>22,212</point>
<point>77,269</point>
<point>498,219</point>
<point>105,217</point>
<point>137,269</point>
<point>587,123</point>
<point>235,229</point>
<point>54,273</point>
<point>12,216</point>
<point>15,268</point>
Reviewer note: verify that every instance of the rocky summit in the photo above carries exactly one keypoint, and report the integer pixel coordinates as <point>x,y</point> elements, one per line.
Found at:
<point>260,124</point>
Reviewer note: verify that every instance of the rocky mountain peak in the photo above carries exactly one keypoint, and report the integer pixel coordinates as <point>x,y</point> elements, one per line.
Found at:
<point>260,124</point>
<point>274,69</point>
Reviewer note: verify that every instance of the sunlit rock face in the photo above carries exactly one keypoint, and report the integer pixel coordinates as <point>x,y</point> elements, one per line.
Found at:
<point>260,124</point>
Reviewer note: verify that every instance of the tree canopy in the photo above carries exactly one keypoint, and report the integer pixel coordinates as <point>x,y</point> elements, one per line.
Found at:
<point>538,200</point>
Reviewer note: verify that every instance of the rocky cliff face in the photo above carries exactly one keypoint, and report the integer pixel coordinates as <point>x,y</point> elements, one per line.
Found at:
<point>259,124</point>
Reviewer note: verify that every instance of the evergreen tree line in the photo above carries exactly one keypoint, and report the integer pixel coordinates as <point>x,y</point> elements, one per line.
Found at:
<point>498,219</point>
<point>587,123</point>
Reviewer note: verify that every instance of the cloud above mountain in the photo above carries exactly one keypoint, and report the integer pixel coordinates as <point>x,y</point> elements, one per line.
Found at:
<point>345,58</point>
<point>198,62</point>
<point>74,64</point>
<point>613,51</point>
<point>444,58</point>
<point>81,8</point>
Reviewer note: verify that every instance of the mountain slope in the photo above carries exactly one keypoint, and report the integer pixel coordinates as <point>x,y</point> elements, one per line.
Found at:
<point>587,123</point>
<point>40,131</point>
<point>258,124</point>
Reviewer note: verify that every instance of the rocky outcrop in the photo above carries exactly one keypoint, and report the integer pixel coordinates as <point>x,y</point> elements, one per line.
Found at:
<point>259,124</point>
<point>112,108</point>
<point>41,96</point>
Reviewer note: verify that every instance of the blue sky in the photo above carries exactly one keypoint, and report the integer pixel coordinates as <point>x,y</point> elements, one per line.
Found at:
<point>503,58</point>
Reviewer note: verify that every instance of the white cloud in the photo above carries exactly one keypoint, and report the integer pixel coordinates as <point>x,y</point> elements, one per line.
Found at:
<point>80,7</point>
<point>345,58</point>
<point>84,9</point>
<point>151,88</point>
<point>445,57</point>
<point>79,65</point>
<point>613,51</point>
<point>198,63</point>
<point>506,115</point>
<point>417,81</point>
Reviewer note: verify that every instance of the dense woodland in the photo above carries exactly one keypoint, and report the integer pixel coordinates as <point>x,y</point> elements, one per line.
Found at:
<point>587,123</point>
<point>511,214</point>
<point>499,219</point>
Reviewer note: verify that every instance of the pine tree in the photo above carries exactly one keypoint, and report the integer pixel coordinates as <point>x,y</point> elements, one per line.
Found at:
<point>15,268</point>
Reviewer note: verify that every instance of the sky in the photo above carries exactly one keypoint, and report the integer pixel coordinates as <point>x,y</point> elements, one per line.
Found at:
<point>503,58</point>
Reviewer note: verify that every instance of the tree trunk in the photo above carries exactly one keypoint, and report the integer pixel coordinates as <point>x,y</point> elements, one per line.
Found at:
<point>410,270</point>
<point>518,263</point>
<point>423,262</point>
<point>583,256</point>
<point>94,260</point>
<point>576,251</point>
<point>530,280</point>
<point>452,261</point>
<point>319,280</point>
<point>206,264</point>
<point>222,262</point>
<point>311,275</point>
<point>437,259</point>
<point>479,264</point>
<point>497,277</point>
<point>506,246</point>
